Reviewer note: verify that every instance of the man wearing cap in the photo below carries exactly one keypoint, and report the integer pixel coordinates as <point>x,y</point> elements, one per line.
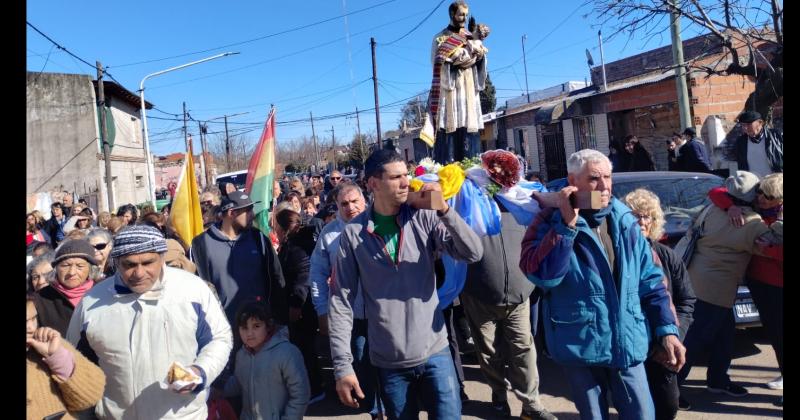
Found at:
<point>692,155</point>
<point>142,320</point>
<point>237,259</point>
<point>387,254</point>
<point>760,149</point>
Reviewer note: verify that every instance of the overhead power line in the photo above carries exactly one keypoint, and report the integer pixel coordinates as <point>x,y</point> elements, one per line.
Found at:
<point>417,26</point>
<point>286,31</point>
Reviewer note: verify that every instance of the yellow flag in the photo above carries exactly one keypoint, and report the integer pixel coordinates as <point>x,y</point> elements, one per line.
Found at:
<point>185,214</point>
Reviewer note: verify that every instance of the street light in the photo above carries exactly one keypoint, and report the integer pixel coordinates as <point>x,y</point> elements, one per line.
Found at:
<point>150,168</point>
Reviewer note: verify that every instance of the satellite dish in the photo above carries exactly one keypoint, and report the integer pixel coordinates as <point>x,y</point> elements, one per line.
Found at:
<point>589,58</point>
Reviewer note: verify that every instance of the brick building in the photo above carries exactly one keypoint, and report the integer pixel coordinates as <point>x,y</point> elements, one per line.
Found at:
<point>641,99</point>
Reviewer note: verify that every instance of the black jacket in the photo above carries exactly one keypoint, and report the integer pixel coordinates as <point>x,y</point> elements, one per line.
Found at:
<point>773,141</point>
<point>680,287</point>
<point>54,310</point>
<point>295,258</point>
<point>693,157</point>
<point>53,227</point>
<point>497,279</point>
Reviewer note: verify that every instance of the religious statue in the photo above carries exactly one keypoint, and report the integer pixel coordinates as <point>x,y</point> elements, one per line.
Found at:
<point>459,75</point>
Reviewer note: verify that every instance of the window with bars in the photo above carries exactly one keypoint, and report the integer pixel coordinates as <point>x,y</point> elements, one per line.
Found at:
<point>583,128</point>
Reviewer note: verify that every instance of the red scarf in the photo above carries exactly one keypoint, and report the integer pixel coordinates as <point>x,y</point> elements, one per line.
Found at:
<point>74,295</point>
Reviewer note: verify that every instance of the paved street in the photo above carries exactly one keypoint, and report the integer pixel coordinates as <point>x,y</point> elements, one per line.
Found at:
<point>754,364</point>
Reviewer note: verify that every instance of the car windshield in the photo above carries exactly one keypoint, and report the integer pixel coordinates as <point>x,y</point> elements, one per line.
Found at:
<point>239,180</point>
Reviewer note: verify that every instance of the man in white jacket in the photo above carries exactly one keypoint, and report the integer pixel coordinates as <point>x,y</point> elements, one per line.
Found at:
<point>141,320</point>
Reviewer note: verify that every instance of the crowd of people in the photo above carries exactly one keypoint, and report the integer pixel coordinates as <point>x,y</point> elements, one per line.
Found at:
<point>116,302</point>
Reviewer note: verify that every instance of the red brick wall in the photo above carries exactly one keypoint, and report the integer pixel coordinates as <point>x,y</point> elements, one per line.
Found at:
<point>636,97</point>
<point>722,96</point>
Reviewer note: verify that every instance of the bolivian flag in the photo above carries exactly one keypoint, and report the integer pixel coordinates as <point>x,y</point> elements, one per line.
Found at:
<point>185,214</point>
<point>260,174</point>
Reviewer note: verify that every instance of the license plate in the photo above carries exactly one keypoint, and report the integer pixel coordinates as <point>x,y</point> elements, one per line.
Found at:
<point>746,310</point>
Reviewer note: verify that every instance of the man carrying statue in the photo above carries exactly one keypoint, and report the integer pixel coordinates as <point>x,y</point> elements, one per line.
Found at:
<point>459,75</point>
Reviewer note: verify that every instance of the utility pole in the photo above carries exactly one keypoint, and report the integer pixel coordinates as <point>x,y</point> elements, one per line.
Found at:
<point>101,102</point>
<point>375,89</point>
<point>419,111</point>
<point>314,139</point>
<point>602,60</point>
<point>333,147</point>
<point>203,167</point>
<point>185,131</point>
<point>680,71</point>
<point>525,62</point>
<point>227,146</point>
<point>360,139</point>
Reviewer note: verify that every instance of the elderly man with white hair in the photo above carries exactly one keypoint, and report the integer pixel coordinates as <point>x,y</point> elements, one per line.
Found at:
<point>602,288</point>
<point>142,320</point>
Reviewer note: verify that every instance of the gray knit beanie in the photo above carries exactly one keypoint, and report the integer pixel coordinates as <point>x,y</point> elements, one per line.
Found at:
<point>75,248</point>
<point>742,185</point>
<point>138,239</point>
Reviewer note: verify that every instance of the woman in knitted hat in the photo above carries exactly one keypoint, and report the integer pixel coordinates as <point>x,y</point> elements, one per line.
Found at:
<point>717,266</point>
<point>73,266</point>
<point>59,379</point>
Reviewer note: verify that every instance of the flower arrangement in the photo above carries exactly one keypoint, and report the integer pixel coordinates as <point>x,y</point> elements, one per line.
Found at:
<point>502,167</point>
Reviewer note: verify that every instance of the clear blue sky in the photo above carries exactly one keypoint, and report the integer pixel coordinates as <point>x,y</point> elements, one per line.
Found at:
<point>313,69</point>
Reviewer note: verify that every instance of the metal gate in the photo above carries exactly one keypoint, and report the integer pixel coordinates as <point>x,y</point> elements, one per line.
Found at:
<point>555,156</point>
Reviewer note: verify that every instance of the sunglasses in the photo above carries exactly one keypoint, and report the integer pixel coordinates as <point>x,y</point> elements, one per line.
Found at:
<point>100,247</point>
<point>335,178</point>
<point>768,197</point>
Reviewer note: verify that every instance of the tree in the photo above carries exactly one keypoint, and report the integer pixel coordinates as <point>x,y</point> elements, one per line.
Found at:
<point>750,33</point>
<point>359,150</point>
<point>241,149</point>
<point>413,112</point>
<point>488,99</point>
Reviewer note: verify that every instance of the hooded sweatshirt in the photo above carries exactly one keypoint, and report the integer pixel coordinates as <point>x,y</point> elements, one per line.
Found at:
<point>241,269</point>
<point>273,382</point>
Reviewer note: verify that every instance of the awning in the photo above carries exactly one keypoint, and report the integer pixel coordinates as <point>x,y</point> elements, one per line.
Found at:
<point>550,113</point>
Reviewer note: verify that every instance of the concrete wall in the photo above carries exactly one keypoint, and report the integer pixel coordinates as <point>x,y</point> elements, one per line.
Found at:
<point>569,137</point>
<point>61,135</point>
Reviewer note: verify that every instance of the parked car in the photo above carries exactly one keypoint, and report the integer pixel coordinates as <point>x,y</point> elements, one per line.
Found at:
<point>683,195</point>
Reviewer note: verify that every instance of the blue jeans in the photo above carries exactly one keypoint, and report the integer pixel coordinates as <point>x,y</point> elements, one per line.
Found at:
<point>629,391</point>
<point>434,382</point>
<point>712,333</point>
<point>366,373</point>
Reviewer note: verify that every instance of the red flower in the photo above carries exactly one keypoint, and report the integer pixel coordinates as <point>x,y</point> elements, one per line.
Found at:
<point>419,171</point>
<point>502,167</point>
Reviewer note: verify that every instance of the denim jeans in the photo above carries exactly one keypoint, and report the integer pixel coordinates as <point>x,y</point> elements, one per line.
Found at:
<point>629,391</point>
<point>366,373</point>
<point>433,381</point>
<point>710,337</point>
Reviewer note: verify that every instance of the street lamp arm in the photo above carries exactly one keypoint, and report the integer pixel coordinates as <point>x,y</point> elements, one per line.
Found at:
<point>141,85</point>
<point>148,155</point>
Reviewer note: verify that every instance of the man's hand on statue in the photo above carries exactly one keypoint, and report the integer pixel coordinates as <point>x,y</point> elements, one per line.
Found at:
<point>345,387</point>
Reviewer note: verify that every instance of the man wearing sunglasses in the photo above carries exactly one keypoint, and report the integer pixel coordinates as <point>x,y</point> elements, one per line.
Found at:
<point>760,149</point>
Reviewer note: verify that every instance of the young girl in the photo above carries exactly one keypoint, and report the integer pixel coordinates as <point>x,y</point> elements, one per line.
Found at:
<point>270,362</point>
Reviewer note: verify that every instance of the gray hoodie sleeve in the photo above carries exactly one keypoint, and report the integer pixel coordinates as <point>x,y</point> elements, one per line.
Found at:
<point>344,279</point>
<point>452,235</point>
<point>294,372</point>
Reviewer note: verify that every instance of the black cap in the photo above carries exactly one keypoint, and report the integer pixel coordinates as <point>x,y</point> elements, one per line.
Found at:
<point>236,200</point>
<point>689,131</point>
<point>748,117</point>
<point>326,211</point>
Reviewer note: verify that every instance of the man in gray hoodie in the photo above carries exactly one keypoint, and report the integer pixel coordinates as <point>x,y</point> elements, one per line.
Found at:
<point>387,253</point>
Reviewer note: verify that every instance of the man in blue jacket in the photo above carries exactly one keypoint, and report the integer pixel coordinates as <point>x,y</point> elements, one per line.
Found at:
<point>604,298</point>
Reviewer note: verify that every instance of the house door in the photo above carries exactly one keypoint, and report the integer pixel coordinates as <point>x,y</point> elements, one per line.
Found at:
<point>555,156</point>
